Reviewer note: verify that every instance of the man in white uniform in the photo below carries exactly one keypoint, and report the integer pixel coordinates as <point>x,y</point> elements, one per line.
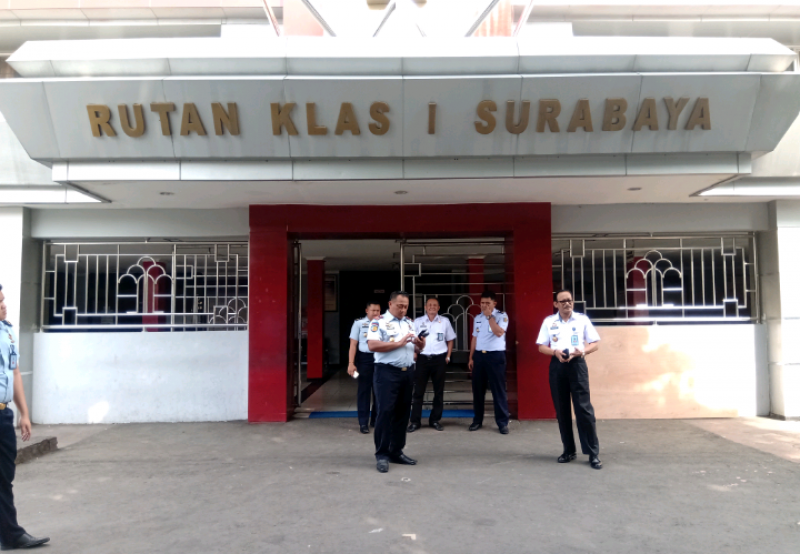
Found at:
<point>487,361</point>
<point>361,360</point>
<point>568,337</point>
<point>394,342</point>
<point>431,364</point>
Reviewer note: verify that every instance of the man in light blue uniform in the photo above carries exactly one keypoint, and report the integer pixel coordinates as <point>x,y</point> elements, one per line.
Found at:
<point>394,342</point>
<point>12,536</point>
<point>362,361</point>
<point>487,361</point>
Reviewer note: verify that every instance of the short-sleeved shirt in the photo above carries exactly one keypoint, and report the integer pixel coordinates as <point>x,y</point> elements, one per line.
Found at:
<point>486,340</point>
<point>359,332</point>
<point>9,360</point>
<point>390,329</point>
<point>440,332</point>
<point>575,332</point>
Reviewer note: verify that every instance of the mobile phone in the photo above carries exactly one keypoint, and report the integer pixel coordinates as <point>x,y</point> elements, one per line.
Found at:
<point>424,333</point>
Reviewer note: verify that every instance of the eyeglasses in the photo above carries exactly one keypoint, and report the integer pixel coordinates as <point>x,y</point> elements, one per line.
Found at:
<point>564,302</point>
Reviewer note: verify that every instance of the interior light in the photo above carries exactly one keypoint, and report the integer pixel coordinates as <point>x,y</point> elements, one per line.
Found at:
<point>167,193</point>
<point>401,192</point>
<point>44,195</point>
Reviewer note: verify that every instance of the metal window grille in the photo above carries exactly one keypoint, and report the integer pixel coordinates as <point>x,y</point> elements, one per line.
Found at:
<point>148,286</point>
<point>659,279</point>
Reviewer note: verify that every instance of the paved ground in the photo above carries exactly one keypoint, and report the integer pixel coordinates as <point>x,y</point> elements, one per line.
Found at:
<point>310,486</point>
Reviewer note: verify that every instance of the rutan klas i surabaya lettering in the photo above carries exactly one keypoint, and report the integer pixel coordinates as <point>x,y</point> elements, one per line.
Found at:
<point>225,118</point>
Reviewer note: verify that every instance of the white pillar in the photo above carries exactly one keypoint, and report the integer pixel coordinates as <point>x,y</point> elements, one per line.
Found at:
<point>20,268</point>
<point>780,297</point>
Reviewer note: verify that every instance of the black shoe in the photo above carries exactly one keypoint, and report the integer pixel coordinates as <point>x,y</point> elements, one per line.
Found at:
<point>402,459</point>
<point>475,426</point>
<point>25,541</point>
<point>383,466</point>
<point>365,429</point>
<point>412,427</point>
<point>436,425</point>
<point>595,462</point>
<point>566,458</point>
<point>504,430</point>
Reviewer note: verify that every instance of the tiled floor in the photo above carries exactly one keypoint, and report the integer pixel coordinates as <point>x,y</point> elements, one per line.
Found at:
<point>338,393</point>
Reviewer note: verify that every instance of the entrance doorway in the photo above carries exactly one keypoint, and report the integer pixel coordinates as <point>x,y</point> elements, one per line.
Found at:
<point>454,271</point>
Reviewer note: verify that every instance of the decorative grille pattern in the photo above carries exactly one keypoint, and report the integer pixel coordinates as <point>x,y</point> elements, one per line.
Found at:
<point>145,286</point>
<point>659,279</point>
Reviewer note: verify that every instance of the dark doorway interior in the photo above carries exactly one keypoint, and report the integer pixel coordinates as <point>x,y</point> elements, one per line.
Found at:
<point>356,288</point>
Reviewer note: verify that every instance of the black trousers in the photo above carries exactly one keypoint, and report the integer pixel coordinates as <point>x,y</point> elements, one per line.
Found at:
<point>10,531</point>
<point>490,370</point>
<point>393,388</point>
<point>365,365</point>
<point>433,368</point>
<point>572,380</point>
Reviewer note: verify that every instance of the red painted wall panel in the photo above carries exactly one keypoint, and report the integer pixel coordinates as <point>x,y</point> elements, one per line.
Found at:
<point>269,380</point>
<point>315,312</point>
<point>526,225</point>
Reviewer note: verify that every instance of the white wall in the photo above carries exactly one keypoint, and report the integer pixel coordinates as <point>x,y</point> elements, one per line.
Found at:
<point>140,377</point>
<point>660,218</point>
<point>102,223</point>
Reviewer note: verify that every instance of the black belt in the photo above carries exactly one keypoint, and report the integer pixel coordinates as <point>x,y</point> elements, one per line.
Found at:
<point>433,355</point>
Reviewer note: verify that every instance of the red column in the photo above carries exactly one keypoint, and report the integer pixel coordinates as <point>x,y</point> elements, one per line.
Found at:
<point>269,393</point>
<point>532,303</point>
<point>476,285</point>
<point>315,312</point>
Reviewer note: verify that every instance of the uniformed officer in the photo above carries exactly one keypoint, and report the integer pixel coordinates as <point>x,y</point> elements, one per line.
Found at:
<point>431,363</point>
<point>361,360</point>
<point>487,361</point>
<point>569,375</point>
<point>12,536</point>
<point>393,340</point>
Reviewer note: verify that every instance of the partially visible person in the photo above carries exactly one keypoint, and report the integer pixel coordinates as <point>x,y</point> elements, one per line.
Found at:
<point>394,342</point>
<point>361,360</point>
<point>568,337</point>
<point>12,536</point>
<point>487,361</point>
<point>431,364</point>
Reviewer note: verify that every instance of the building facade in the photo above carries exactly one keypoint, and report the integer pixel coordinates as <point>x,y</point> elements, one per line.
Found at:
<point>199,198</point>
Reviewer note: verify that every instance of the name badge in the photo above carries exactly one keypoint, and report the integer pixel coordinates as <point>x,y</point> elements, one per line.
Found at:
<point>440,337</point>
<point>574,340</point>
<point>12,361</point>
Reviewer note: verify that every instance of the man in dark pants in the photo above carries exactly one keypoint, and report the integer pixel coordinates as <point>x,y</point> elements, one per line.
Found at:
<point>568,337</point>
<point>394,342</point>
<point>431,364</point>
<point>487,361</point>
<point>363,362</point>
<point>12,536</point>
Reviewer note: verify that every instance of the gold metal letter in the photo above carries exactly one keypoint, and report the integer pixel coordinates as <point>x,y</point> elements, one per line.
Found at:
<point>432,118</point>
<point>311,119</point>
<point>700,116</point>
<point>485,108</point>
<point>191,120</point>
<point>138,116</point>
<point>614,117</point>
<point>377,111</point>
<point>648,117</point>
<point>581,117</point>
<point>229,120</point>
<point>347,120</point>
<point>674,111</point>
<point>99,115</point>
<point>548,112</point>
<point>163,109</point>
<point>524,116</point>
<point>282,117</point>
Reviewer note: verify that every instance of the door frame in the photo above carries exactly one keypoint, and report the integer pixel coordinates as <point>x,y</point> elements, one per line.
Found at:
<point>273,228</point>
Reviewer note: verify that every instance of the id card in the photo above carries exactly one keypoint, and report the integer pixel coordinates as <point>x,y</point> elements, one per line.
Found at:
<point>440,337</point>
<point>574,340</point>
<point>12,361</point>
